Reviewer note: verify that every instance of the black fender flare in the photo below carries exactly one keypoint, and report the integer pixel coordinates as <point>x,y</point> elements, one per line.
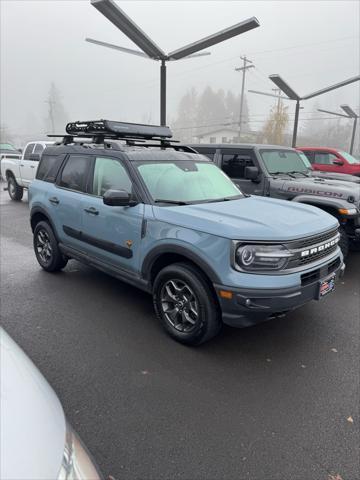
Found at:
<point>41,210</point>
<point>159,250</point>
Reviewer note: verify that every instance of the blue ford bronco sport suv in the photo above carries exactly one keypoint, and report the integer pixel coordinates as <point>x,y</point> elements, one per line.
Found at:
<point>167,220</point>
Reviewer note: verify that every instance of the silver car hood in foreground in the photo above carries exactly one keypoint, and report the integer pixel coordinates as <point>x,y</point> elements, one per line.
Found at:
<point>33,424</point>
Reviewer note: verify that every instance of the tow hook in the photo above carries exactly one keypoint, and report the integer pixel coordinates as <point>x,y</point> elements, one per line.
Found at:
<point>342,270</point>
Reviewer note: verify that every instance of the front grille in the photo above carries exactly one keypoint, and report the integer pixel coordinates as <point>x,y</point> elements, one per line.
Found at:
<point>313,247</point>
<point>314,240</point>
<point>316,256</point>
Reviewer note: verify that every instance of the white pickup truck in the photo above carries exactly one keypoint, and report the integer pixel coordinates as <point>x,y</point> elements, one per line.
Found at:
<point>20,172</point>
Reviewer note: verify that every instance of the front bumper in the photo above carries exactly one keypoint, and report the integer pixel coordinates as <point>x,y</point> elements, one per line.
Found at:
<point>251,306</point>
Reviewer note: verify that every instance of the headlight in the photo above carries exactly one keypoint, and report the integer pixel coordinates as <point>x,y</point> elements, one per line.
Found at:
<point>257,258</point>
<point>76,463</point>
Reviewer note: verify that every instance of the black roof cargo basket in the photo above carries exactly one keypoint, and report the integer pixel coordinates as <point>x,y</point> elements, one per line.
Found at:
<point>118,130</point>
<point>134,135</point>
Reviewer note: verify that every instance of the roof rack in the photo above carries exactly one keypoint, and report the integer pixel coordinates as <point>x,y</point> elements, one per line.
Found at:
<point>134,134</point>
<point>118,130</point>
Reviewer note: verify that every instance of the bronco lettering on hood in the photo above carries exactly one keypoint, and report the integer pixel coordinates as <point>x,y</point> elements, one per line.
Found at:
<point>315,192</point>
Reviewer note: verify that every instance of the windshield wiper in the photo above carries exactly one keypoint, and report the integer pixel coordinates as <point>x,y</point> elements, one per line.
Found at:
<point>302,173</point>
<point>221,199</point>
<point>283,173</point>
<point>173,202</point>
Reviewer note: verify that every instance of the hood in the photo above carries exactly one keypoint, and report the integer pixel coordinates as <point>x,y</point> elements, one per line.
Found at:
<point>32,420</point>
<point>323,187</point>
<point>250,218</point>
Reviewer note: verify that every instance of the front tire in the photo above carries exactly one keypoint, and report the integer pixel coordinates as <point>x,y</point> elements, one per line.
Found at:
<point>186,305</point>
<point>15,191</point>
<point>46,248</point>
<point>344,242</point>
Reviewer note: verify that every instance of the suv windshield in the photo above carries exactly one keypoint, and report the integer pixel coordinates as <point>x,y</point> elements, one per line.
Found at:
<point>284,161</point>
<point>350,158</point>
<point>186,181</point>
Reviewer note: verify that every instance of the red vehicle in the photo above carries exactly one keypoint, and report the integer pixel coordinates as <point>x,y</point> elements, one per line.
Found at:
<point>331,160</point>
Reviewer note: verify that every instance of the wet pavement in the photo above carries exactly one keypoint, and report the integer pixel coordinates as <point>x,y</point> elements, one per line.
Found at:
<point>279,401</point>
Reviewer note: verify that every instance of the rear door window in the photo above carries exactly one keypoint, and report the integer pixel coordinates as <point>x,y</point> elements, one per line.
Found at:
<point>75,173</point>
<point>38,148</point>
<point>234,164</point>
<point>49,167</point>
<point>28,151</point>
<point>208,152</point>
<point>324,158</point>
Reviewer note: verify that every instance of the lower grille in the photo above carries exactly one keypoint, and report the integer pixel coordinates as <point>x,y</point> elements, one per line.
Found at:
<point>310,277</point>
<point>314,275</point>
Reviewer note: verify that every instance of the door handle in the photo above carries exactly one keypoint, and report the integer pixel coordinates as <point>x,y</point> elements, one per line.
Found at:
<point>32,166</point>
<point>21,164</point>
<point>54,200</point>
<point>92,211</point>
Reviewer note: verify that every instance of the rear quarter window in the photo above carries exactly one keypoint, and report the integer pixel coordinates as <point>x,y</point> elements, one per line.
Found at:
<point>49,167</point>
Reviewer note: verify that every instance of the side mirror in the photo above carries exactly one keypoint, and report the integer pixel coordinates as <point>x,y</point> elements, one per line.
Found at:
<point>34,157</point>
<point>118,198</point>
<point>338,162</point>
<point>251,173</point>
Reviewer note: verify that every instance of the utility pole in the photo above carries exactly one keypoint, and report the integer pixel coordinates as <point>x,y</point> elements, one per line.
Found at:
<point>277,92</point>
<point>243,69</point>
<point>51,113</point>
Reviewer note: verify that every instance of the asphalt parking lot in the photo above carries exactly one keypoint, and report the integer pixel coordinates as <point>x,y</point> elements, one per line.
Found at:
<point>279,401</point>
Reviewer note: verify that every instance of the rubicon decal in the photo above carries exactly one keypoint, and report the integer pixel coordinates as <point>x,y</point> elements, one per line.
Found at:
<point>315,192</point>
<point>319,248</point>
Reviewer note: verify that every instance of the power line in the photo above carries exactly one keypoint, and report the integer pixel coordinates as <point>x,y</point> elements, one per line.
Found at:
<point>305,45</point>
<point>229,124</point>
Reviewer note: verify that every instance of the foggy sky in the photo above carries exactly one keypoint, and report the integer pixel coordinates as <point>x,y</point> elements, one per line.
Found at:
<point>311,44</point>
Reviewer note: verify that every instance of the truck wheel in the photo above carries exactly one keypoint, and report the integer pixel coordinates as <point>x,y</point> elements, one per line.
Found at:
<point>47,249</point>
<point>185,304</point>
<point>344,242</point>
<point>15,191</point>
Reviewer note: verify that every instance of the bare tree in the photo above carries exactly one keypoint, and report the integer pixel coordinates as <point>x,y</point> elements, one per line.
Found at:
<point>276,124</point>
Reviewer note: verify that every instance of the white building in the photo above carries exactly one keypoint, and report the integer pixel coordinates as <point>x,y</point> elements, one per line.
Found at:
<point>220,135</point>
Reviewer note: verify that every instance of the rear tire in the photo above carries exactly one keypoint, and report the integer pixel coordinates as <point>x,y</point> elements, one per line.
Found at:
<point>344,242</point>
<point>46,248</point>
<point>186,305</point>
<point>15,191</point>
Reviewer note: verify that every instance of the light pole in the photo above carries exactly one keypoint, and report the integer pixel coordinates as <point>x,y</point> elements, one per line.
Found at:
<point>350,115</point>
<point>150,50</point>
<point>285,88</point>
